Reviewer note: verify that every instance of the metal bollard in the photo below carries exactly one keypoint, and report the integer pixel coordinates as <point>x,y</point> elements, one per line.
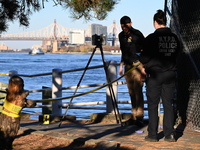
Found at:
<point>112,74</point>
<point>56,92</point>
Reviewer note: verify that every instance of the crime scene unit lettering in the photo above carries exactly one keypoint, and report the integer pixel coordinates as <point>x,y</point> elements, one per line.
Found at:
<point>167,45</point>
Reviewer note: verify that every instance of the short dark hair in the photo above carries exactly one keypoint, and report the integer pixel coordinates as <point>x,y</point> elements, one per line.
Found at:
<point>160,17</point>
<point>125,20</point>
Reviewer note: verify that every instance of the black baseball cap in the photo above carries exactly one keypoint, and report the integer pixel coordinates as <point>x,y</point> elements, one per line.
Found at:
<point>125,20</point>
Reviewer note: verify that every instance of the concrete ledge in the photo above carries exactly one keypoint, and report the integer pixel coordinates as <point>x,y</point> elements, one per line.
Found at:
<point>104,117</point>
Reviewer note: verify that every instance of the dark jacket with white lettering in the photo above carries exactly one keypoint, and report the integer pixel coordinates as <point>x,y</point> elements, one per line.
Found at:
<point>130,44</point>
<point>160,51</point>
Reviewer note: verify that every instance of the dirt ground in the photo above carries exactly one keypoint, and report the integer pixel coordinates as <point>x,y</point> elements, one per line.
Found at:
<point>27,141</point>
<point>31,141</point>
<point>43,142</point>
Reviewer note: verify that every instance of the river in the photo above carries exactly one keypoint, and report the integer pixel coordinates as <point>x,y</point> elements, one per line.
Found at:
<point>27,64</point>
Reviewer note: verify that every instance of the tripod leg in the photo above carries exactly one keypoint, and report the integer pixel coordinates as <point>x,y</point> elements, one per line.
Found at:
<point>78,85</point>
<point>114,102</point>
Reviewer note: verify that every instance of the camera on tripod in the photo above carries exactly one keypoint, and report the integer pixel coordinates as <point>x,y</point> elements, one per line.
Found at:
<point>98,40</point>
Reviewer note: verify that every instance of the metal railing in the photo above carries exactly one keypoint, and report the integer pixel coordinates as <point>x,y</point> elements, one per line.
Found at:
<point>55,91</point>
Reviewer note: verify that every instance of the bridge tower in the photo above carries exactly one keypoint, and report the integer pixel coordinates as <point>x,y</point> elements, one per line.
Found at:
<point>114,33</point>
<point>113,30</point>
<point>55,41</point>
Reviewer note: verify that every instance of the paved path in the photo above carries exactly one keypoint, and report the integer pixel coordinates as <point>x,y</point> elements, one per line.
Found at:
<point>113,135</point>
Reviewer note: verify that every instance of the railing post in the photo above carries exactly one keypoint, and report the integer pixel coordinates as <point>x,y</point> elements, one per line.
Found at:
<point>112,74</point>
<point>12,73</point>
<point>56,92</point>
<point>46,95</point>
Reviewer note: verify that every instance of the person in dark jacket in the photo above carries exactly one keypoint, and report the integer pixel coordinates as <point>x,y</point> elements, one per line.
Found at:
<point>131,42</point>
<point>159,57</point>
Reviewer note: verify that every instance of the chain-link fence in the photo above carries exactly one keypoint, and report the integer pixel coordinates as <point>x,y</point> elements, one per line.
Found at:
<point>184,19</point>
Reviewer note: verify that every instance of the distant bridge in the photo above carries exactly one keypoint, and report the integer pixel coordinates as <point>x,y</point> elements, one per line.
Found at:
<point>56,33</point>
<point>52,32</point>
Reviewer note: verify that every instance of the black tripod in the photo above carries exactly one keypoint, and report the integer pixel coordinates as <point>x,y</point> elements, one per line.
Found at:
<point>114,102</point>
<point>113,98</point>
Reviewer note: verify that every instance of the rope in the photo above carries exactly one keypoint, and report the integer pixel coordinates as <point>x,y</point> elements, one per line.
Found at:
<point>4,74</point>
<point>91,91</point>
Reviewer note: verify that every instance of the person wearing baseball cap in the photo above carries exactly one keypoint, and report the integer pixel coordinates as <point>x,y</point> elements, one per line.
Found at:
<point>125,20</point>
<point>131,43</point>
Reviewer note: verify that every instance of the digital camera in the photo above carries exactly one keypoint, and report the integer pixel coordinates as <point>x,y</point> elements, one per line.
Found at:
<point>98,39</point>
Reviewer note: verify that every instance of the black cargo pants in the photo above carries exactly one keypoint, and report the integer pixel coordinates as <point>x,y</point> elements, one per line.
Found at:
<point>160,86</point>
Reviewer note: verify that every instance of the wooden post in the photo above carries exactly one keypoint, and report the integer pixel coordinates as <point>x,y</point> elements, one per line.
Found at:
<point>46,95</point>
<point>112,74</point>
<point>56,92</point>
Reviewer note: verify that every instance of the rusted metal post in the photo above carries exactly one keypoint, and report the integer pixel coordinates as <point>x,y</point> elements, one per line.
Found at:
<point>112,74</point>
<point>56,92</point>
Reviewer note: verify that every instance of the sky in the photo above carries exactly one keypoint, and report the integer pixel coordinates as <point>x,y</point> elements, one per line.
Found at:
<point>140,11</point>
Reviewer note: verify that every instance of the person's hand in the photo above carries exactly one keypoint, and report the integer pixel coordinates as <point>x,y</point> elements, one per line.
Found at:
<point>121,70</point>
<point>143,71</point>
